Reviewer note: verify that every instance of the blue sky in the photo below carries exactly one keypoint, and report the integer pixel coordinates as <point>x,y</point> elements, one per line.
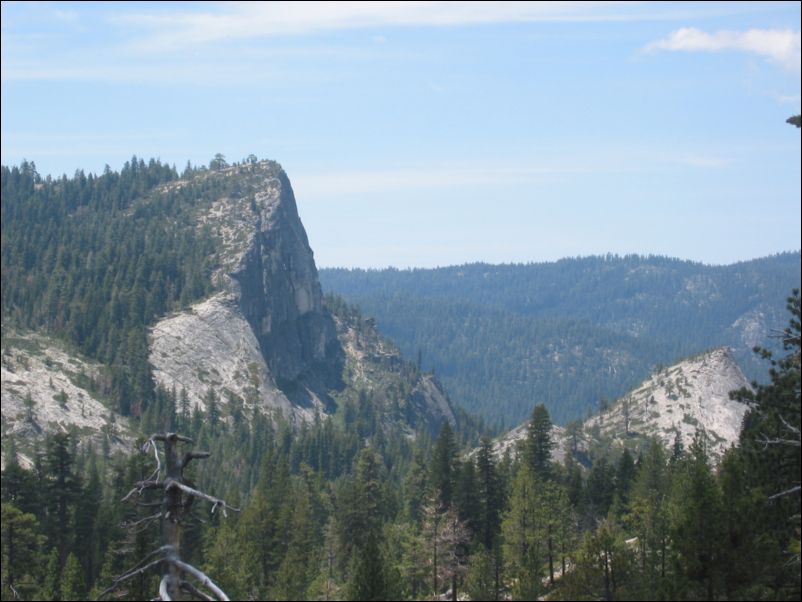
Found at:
<point>426,134</point>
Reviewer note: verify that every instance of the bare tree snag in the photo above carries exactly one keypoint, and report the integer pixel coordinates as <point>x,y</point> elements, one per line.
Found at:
<point>178,494</point>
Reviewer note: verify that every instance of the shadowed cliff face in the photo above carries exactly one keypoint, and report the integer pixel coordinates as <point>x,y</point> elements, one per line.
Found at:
<point>265,336</point>
<point>280,297</point>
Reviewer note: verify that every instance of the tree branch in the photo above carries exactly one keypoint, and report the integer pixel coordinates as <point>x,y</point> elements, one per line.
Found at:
<point>156,473</point>
<point>191,589</point>
<point>132,573</point>
<point>200,576</point>
<point>194,455</point>
<point>163,591</point>
<point>795,489</point>
<point>141,486</point>
<point>205,496</point>
<point>143,520</point>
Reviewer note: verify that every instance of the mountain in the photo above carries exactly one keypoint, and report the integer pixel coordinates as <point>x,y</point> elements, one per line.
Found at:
<point>264,334</point>
<point>677,401</point>
<point>47,388</point>
<point>198,291</point>
<point>503,338</point>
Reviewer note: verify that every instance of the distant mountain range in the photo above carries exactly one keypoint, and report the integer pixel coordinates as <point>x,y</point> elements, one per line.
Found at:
<point>570,333</point>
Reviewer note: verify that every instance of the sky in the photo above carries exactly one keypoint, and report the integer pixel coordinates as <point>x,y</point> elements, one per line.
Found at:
<point>437,133</point>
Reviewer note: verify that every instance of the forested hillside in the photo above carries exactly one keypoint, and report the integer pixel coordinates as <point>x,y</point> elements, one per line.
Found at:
<point>368,492</point>
<point>570,333</point>
<point>88,260</point>
<point>343,510</point>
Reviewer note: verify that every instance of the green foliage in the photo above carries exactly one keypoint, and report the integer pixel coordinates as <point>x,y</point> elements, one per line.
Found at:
<point>349,506</point>
<point>695,523</point>
<point>51,586</point>
<point>480,582</point>
<point>444,465</point>
<point>94,259</point>
<point>72,580</point>
<point>490,496</point>
<point>522,531</point>
<point>501,337</point>
<point>20,551</point>
<point>604,567</point>
<point>538,442</point>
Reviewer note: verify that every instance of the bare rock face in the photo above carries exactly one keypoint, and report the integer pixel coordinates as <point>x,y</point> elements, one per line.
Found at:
<point>682,399</point>
<point>278,288</point>
<point>401,393</point>
<point>692,394</point>
<point>46,389</point>
<point>266,336</point>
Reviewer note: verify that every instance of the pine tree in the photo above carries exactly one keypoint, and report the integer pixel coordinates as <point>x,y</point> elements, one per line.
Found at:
<point>538,442</point>
<point>20,547</point>
<point>522,532</point>
<point>696,524</point>
<point>86,510</point>
<point>51,585</point>
<point>480,582</point>
<point>467,501</point>
<point>444,463</point>
<point>368,579</point>
<point>603,566</point>
<point>73,586</point>
<point>649,515</point>
<point>62,487</point>
<point>624,475</point>
<point>771,438</point>
<point>446,536</point>
<point>600,487</point>
<point>490,495</point>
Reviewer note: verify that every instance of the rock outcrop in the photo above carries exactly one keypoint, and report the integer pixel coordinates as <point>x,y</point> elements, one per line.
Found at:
<point>48,389</point>
<point>679,400</point>
<point>690,395</point>
<point>403,396</point>
<point>266,335</point>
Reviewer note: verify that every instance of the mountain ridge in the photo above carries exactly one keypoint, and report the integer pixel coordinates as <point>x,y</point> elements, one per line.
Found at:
<point>672,404</point>
<point>493,333</point>
<point>234,318</point>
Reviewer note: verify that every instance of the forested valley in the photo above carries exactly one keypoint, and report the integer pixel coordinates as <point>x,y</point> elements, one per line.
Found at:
<point>571,333</point>
<point>355,504</point>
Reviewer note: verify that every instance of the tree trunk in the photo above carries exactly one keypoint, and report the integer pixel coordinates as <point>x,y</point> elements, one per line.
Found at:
<point>172,509</point>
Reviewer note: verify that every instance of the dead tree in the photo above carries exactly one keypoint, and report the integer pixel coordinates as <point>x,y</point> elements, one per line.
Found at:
<point>178,494</point>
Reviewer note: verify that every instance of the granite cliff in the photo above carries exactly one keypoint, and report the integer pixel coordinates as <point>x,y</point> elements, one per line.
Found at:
<point>266,335</point>
<point>262,335</point>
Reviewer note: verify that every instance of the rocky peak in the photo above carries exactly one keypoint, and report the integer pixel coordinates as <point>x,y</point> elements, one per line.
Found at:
<point>265,336</point>
<point>690,395</point>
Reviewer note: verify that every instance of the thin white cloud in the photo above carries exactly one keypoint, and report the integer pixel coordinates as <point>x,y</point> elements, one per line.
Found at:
<point>372,181</point>
<point>779,45</point>
<point>325,185</point>
<point>242,20</point>
<point>789,99</point>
